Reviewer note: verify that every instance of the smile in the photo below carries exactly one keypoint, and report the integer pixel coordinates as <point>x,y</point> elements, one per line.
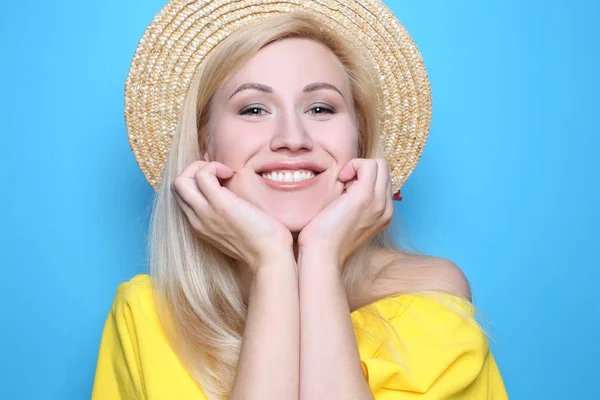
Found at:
<point>289,176</point>
<point>289,180</point>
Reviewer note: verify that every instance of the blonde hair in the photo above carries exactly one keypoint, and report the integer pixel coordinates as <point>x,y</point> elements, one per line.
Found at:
<point>199,298</point>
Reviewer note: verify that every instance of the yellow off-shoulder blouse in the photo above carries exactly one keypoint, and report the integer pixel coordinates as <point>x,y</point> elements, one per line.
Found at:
<point>443,355</point>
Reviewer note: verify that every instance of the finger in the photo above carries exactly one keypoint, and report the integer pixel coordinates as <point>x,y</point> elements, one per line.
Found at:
<point>388,187</point>
<point>189,192</point>
<point>196,222</point>
<point>207,179</point>
<point>186,189</point>
<point>382,183</point>
<point>190,212</point>
<point>190,171</point>
<point>389,204</point>
<point>361,169</point>
<point>347,173</point>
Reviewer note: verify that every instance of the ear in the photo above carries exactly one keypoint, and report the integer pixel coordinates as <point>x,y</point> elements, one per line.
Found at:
<point>206,156</point>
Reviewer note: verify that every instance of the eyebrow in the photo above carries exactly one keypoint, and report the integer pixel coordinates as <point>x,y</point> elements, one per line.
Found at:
<point>311,87</point>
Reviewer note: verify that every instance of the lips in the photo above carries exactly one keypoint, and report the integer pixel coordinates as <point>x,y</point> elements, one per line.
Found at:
<point>291,165</point>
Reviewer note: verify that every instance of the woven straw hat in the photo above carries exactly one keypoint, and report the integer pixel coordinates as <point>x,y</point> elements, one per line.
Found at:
<point>176,42</point>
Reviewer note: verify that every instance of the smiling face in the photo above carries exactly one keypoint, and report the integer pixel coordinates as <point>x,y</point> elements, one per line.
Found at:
<point>285,123</point>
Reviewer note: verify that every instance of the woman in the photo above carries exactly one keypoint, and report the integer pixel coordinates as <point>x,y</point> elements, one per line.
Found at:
<point>273,274</point>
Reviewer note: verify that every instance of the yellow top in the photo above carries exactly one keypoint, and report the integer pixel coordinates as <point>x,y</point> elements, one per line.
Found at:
<point>447,357</point>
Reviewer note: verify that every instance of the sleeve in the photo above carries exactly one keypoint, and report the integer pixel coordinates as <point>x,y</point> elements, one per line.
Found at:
<point>443,355</point>
<point>118,371</point>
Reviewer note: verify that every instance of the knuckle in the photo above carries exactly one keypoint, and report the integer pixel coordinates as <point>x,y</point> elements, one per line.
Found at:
<point>379,207</point>
<point>386,224</point>
<point>388,214</point>
<point>376,166</point>
<point>196,226</point>
<point>204,171</point>
<point>219,207</point>
<point>209,165</point>
<point>363,199</point>
<point>200,167</point>
<point>176,185</point>
<point>200,175</point>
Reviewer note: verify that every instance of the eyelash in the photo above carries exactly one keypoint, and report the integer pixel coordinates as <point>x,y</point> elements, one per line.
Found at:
<point>323,108</point>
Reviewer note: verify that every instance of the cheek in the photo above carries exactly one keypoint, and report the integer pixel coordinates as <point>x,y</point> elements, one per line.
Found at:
<point>340,140</point>
<point>235,143</point>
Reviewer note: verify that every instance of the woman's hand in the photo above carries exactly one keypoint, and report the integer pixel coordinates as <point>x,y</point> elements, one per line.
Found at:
<point>354,218</point>
<point>233,225</point>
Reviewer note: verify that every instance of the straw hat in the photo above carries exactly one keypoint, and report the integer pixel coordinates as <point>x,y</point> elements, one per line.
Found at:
<point>176,42</point>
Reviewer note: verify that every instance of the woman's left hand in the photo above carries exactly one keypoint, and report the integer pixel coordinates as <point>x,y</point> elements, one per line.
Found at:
<point>355,217</point>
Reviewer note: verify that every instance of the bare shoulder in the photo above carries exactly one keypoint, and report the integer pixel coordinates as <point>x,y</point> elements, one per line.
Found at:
<point>404,273</point>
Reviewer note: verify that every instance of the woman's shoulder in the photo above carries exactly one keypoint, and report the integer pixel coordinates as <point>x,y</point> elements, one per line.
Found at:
<point>135,299</point>
<point>434,288</point>
<point>423,305</point>
<point>396,273</point>
<point>426,342</point>
<point>140,286</point>
<point>136,358</point>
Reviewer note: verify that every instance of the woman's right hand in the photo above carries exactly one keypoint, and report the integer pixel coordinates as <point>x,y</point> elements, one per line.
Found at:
<point>233,225</point>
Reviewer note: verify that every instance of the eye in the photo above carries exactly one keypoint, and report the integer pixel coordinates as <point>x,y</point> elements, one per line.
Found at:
<point>322,109</point>
<point>252,110</point>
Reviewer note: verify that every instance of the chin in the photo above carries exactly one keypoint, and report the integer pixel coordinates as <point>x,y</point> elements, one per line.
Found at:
<point>294,222</point>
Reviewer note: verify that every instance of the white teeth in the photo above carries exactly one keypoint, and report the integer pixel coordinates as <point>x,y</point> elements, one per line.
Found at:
<point>289,176</point>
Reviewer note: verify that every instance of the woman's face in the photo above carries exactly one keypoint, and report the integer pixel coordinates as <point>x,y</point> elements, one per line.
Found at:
<point>285,123</point>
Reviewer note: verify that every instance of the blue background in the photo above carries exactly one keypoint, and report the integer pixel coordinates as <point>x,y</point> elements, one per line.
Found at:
<point>507,186</point>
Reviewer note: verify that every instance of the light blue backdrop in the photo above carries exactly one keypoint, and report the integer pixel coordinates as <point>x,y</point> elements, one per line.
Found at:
<point>507,187</point>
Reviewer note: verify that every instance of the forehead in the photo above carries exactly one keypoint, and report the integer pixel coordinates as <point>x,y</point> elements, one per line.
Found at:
<point>290,64</point>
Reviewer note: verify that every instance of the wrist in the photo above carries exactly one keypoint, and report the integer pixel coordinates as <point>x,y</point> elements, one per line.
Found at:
<point>311,256</point>
<point>318,266</point>
<point>279,260</point>
<point>319,275</point>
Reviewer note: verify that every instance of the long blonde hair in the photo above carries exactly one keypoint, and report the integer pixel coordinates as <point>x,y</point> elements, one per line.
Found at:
<point>199,297</point>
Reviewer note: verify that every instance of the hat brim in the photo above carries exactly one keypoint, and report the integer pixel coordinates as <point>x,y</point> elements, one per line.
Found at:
<point>176,42</point>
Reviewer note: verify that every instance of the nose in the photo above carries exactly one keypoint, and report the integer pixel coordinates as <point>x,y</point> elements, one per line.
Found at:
<point>291,134</point>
